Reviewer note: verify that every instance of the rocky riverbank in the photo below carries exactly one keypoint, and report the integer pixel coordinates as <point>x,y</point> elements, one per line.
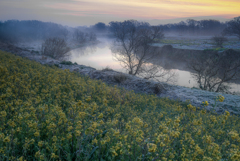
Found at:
<point>139,85</point>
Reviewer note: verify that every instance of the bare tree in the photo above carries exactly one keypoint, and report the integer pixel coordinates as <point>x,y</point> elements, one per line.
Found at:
<point>83,37</point>
<point>158,73</point>
<point>79,36</point>
<point>55,47</point>
<point>133,49</point>
<point>219,40</point>
<point>233,27</point>
<point>92,37</point>
<point>214,71</point>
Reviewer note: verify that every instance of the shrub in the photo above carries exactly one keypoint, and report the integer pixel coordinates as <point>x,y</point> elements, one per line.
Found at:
<point>57,65</point>
<point>66,62</point>
<point>55,48</point>
<point>107,68</point>
<point>159,88</point>
<point>219,40</point>
<point>120,77</point>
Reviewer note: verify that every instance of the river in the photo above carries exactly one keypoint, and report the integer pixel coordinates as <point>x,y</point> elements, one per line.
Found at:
<point>100,56</point>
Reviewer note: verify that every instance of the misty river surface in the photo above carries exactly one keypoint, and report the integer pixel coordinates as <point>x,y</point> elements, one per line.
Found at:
<point>100,56</point>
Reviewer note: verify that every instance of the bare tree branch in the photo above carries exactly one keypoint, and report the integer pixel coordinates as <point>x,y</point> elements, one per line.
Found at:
<point>219,40</point>
<point>55,47</point>
<point>132,48</point>
<point>83,37</point>
<point>212,72</point>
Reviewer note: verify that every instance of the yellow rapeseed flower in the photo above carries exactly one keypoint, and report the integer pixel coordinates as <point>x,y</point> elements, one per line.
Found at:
<point>69,136</point>
<point>152,147</point>
<point>6,139</point>
<point>3,114</point>
<point>220,98</point>
<point>53,155</point>
<point>36,134</point>
<point>94,141</point>
<point>21,158</point>
<point>77,133</point>
<point>205,103</point>
<point>100,116</point>
<point>40,143</point>
<point>234,135</point>
<point>42,157</point>
<point>227,113</point>
<point>69,128</point>
<point>54,138</point>
<point>37,154</point>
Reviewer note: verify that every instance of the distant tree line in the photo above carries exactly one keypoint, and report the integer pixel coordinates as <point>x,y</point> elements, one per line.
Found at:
<point>194,27</point>
<point>28,30</point>
<point>15,31</point>
<point>81,37</point>
<point>233,27</point>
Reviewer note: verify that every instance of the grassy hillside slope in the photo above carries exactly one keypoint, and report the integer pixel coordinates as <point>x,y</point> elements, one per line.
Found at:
<point>51,114</point>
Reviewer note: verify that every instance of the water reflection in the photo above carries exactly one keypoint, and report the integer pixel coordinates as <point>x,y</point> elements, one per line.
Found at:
<point>186,79</point>
<point>97,56</point>
<point>85,50</point>
<point>100,56</point>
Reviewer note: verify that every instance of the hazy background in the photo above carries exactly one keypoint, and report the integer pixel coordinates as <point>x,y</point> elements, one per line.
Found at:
<point>88,12</point>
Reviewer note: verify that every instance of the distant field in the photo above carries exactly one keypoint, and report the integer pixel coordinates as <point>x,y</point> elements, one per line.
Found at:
<point>197,43</point>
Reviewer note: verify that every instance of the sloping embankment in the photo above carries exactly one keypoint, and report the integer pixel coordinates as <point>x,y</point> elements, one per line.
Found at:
<point>139,85</point>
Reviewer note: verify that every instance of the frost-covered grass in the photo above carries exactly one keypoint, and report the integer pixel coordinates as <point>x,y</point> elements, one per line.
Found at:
<point>197,43</point>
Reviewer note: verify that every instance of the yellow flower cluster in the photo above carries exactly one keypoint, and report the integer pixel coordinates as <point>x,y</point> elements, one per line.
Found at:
<point>220,98</point>
<point>152,147</point>
<point>51,114</point>
<point>205,103</point>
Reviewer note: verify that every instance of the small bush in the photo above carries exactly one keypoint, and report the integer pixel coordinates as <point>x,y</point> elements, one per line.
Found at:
<point>219,40</point>
<point>107,69</point>
<point>120,77</point>
<point>57,65</point>
<point>158,88</point>
<point>55,48</point>
<point>67,62</point>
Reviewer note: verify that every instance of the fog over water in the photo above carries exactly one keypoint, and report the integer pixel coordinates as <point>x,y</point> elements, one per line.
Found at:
<point>100,56</point>
<point>97,56</point>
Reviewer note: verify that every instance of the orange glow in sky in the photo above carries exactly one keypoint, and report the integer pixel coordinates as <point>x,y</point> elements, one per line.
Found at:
<point>155,8</point>
<point>92,11</point>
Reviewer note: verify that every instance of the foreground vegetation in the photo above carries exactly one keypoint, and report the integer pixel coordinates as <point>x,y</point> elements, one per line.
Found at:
<point>50,114</point>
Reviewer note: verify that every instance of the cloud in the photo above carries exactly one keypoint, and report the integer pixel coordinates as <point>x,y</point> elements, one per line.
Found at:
<point>91,11</point>
<point>151,8</point>
<point>198,2</point>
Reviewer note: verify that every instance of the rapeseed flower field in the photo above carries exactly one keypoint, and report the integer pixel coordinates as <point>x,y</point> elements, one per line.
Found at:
<point>51,114</point>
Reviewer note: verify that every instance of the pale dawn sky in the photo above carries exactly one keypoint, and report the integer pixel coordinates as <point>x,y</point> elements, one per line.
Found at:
<point>89,12</point>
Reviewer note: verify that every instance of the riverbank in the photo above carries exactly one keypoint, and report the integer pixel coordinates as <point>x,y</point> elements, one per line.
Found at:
<point>139,85</point>
<point>197,42</point>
